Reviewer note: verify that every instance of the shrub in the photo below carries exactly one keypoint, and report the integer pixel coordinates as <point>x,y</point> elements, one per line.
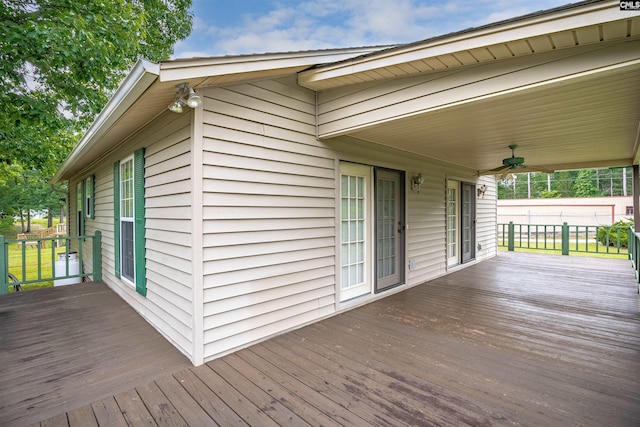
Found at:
<point>615,233</point>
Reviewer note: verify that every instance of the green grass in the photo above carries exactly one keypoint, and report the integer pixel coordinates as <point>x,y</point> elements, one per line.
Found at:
<point>30,254</point>
<point>583,250</point>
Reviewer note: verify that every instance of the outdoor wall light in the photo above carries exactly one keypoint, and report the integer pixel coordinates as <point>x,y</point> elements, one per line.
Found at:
<point>192,100</point>
<point>481,190</point>
<point>416,182</point>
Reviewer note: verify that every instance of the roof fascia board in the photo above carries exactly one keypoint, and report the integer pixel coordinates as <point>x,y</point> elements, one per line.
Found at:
<point>552,22</point>
<point>139,79</point>
<point>180,69</point>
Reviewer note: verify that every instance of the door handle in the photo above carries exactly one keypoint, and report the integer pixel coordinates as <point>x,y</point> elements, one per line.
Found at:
<point>401,227</point>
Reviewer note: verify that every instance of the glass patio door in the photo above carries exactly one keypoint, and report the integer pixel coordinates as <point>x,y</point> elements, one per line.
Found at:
<point>389,194</point>
<point>355,221</point>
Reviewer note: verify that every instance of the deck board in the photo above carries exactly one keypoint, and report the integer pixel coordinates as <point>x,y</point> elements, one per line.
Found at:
<point>63,348</point>
<point>522,339</point>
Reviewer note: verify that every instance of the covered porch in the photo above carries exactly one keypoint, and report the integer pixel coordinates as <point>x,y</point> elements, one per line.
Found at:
<point>525,339</point>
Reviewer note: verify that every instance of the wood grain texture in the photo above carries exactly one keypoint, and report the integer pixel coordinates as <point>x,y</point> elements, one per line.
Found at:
<point>521,339</point>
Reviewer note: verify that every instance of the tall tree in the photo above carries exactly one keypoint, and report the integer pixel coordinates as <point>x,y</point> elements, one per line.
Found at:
<point>60,60</point>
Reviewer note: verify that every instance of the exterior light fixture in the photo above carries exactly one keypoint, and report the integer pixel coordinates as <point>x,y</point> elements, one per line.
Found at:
<point>416,182</point>
<point>192,100</point>
<point>481,190</point>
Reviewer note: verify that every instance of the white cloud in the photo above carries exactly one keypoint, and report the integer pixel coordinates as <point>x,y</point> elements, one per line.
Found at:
<point>319,24</point>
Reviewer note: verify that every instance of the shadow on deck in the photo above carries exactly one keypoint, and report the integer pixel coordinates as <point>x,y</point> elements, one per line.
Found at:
<point>524,339</point>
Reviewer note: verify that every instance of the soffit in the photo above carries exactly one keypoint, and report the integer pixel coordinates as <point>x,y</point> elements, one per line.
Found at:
<point>568,27</point>
<point>590,121</point>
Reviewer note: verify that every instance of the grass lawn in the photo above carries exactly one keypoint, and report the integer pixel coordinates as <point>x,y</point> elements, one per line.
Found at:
<point>29,257</point>
<point>582,250</point>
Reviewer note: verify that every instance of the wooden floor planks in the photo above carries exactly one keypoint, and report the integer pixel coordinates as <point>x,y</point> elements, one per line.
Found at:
<point>523,339</point>
<point>63,348</point>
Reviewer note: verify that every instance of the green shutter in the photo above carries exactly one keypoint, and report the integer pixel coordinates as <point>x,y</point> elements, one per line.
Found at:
<point>139,223</point>
<point>116,217</point>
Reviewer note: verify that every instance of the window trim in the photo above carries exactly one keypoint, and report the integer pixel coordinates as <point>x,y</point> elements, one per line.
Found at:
<point>139,268</point>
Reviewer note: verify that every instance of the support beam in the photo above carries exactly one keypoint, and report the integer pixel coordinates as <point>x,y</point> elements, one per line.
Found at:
<point>636,196</point>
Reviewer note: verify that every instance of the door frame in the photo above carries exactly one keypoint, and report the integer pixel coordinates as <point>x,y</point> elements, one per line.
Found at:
<point>370,285</point>
<point>461,257</point>
<point>399,227</point>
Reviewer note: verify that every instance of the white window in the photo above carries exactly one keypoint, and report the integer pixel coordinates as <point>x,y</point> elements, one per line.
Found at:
<point>127,241</point>
<point>88,197</point>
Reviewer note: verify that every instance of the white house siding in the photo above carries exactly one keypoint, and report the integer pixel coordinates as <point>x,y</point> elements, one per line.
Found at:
<point>269,212</point>
<point>168,303</point>
<point>486,215</point>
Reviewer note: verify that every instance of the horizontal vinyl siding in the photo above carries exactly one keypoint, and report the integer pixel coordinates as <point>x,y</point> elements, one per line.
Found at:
<point>269,214</point>
<point>168,305</point>
<point>487,216</point>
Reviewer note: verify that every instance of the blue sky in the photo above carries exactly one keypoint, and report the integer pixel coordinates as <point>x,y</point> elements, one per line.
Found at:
<point>230,27</point>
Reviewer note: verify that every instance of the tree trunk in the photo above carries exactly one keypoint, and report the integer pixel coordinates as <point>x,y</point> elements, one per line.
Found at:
<point>28,221</point>
<point>49,218</point>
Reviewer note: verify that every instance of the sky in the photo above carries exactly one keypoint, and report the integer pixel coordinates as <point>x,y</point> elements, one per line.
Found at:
<point>234,27</point>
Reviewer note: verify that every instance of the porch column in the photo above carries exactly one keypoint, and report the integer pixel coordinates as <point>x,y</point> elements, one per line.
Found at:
<point>636,197</point>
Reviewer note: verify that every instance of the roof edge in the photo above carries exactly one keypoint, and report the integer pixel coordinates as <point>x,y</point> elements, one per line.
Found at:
<point>139,79</point>
<point>571,15</point>
<point>184,69</point>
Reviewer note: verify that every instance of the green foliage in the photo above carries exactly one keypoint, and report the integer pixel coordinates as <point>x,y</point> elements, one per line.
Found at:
<point>576,183</point>
<point>60,61</point>
<point>617,234</point>
<point>551,194</point>
<point>585,185</point>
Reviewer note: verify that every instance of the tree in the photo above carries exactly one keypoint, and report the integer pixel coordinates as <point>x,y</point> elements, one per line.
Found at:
<point>585,184</point>
<point>60,61</point>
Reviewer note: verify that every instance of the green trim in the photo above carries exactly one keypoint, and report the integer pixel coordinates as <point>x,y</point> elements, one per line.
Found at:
<point>116,217</point>
<point>139,221</point>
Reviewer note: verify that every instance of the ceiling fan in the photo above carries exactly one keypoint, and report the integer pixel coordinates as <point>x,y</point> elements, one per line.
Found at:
<point>512,164</point>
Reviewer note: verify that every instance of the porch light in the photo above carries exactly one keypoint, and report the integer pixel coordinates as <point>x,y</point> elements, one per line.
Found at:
<point>481,190</point>
<point>416,181</point>
<point>192,100</point>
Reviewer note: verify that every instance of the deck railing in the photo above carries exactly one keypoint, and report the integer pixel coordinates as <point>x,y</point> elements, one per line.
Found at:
<point>35,260</point>
<point>566,238</point>
<point>634,253</point>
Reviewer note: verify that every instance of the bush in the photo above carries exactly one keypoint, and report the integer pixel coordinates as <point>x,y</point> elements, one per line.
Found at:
<point>615,233</point>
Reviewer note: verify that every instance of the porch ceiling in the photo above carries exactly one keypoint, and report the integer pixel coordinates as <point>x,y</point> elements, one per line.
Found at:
<point>586,118</point>
<point>591,121</point>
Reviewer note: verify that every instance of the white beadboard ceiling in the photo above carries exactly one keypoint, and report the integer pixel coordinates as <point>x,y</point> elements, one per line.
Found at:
<point>587,121</point>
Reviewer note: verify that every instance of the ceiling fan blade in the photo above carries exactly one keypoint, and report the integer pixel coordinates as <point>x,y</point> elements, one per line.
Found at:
<point>495,171</point>
<point>540,169</point>
<point>528,168</point>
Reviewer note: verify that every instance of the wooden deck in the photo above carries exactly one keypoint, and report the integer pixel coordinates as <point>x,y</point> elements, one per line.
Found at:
<point>523,339</point>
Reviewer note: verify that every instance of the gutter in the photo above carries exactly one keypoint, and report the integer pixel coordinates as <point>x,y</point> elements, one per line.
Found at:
<point>143,74</point>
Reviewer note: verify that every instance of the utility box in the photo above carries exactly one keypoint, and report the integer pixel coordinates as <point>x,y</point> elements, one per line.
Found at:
<point>61,269</point>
